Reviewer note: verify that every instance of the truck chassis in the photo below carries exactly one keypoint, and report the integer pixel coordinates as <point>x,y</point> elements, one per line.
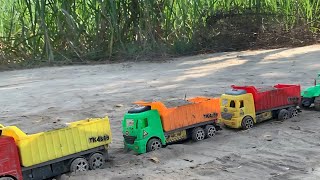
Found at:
<point>82,161</point>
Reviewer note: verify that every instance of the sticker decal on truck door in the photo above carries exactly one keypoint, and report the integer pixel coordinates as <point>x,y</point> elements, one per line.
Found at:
<point>241,112</point>
<point>145,133</point>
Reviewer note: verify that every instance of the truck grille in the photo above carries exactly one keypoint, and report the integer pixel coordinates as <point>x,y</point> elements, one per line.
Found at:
<point>226,116</point>
<point>129,139</point>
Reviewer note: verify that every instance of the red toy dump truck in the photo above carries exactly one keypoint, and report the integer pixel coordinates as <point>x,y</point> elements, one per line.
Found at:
<point>243,106</point>
<point>155,124</point>
<point>80,146</point>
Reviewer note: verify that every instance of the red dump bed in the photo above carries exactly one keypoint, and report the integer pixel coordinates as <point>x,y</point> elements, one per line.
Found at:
<point>272,97</point>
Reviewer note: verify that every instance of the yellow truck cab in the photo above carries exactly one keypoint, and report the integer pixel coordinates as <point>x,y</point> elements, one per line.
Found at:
<point>235,104</point>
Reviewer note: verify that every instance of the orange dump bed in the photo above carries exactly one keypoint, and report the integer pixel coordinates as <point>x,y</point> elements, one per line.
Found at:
<point>195,110</point>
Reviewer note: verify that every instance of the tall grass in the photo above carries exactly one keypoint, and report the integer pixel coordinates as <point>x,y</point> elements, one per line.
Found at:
<point>53,31</point>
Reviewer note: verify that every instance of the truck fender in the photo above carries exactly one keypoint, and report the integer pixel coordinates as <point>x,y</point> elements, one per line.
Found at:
<point>1,126</point>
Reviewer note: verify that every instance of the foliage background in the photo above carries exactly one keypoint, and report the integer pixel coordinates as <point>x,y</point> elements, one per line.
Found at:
<point>44,32</point>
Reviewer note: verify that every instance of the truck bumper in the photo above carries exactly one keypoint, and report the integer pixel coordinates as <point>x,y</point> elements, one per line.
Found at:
<point>138,146</point>
<point>233,123</point>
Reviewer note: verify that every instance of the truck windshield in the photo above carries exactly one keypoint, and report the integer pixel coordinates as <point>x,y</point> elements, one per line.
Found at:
<point>225,102</point>
<point>229,103</point>
<point>143,123</point>
<point>232,104</point>
<point>241,104</point>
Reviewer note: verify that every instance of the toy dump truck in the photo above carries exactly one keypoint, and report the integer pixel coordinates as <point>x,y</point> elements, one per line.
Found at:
<point>243,106</point>
<point>311,95</point>
<point>153,125</point>
<point>80,146</point>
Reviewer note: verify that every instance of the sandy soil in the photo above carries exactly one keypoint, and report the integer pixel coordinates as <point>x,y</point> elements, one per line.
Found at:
<point>46,98</point>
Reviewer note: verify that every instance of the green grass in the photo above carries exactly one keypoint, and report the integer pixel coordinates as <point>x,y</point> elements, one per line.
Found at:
<point>59,31</point>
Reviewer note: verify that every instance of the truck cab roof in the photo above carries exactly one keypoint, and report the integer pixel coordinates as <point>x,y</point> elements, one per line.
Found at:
<point>139,109</point>
<point>236,92</point>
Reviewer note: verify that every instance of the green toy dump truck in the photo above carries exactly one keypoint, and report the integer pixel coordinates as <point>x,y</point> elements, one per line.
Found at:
<point>154,124</point>
<point>311,95</point>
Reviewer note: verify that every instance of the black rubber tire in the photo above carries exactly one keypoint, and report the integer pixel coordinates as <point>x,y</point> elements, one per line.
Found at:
<point>198,134</point>
<point>306,102</point>
<point>79,165</point>
<point>6,178</point>
<point>210,131</point>
<point>153,144</point>
<point>283,115</point>
<point>293,112</point>
<point>317,103</point>
<point>125,148</point>
<point>247,123</point>
<point>96,161</point>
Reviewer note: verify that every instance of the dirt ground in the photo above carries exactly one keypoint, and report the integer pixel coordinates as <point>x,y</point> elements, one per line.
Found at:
<point>46,98</point>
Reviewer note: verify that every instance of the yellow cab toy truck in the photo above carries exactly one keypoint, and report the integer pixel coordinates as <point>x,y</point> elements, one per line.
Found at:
<point>243,106</point>
<point>80,146</point>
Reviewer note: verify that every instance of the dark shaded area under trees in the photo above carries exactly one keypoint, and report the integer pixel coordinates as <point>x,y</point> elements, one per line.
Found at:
<point>46,32</point>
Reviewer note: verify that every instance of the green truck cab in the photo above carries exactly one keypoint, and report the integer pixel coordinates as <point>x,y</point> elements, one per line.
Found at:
<point>311,95</point>
<point>139,126</point>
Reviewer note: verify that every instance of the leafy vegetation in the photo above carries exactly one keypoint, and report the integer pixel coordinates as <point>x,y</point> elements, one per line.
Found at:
<point>36,32</point>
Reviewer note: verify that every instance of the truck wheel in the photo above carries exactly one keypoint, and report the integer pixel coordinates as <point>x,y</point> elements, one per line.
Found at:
<point>293,112</point>
<point>247,123</point>
<point>210,131</point>
<point>317,103</point>
<point>153,144</point>
<point>198,134</point>
<point>6,178</point>
<point>96,161</point>
<point>283,114</point>
<point>79,165</point>
<point>306,102</point>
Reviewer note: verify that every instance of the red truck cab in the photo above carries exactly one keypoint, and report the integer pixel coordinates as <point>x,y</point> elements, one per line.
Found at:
<point>9,162</point>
